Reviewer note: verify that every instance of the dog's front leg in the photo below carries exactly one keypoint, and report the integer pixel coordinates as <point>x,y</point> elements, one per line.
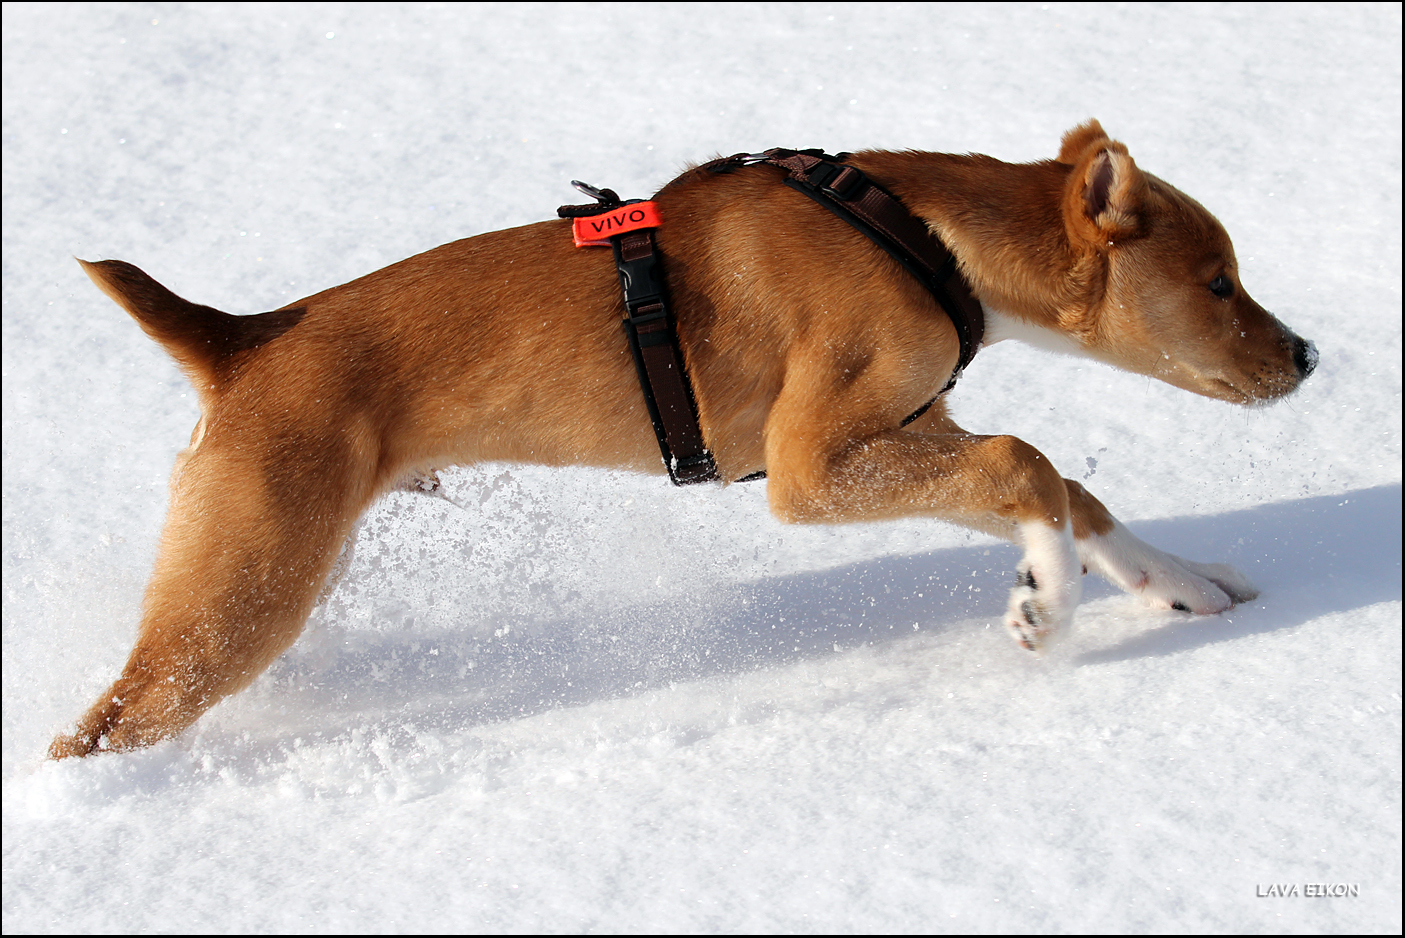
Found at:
<point>822,469</point>
<point>1159,579</point>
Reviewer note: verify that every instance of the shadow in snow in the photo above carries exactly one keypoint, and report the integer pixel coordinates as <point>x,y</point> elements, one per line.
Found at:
<point>1310,557</point>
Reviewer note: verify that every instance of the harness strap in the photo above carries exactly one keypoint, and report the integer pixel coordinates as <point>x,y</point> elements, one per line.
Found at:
<point>847,192</point>
<point>653,341</point>
<point>668,393</point>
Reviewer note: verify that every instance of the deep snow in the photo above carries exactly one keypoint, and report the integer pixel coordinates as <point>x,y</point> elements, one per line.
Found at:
<point>496,724</point>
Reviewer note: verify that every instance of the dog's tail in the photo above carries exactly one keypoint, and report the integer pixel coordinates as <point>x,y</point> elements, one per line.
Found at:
<point>203,340</point>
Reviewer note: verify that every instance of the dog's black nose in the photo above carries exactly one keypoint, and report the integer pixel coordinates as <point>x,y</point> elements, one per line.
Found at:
<point>1304,356</point>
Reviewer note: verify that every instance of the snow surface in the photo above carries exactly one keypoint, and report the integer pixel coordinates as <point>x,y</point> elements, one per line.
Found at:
<point>497,723</point>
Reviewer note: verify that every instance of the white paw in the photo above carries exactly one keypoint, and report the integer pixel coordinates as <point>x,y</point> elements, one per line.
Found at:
<point>1164,580</point>
<point>1041,605</point>
<point>1234,584</point>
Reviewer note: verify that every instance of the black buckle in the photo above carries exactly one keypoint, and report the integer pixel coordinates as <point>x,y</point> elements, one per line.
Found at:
<point>637,320</point>
<point>836,181</point>
<point>639,280</point>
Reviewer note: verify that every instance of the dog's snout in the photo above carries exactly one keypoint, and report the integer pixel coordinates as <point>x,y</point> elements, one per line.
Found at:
<point>1304,356</point>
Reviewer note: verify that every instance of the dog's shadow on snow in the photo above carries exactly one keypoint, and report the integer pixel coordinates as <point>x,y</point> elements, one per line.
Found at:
<point>1310,557</point>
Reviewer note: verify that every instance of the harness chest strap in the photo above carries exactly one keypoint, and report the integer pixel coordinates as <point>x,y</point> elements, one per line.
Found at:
<point>653,342</point>
<point>668,394</point>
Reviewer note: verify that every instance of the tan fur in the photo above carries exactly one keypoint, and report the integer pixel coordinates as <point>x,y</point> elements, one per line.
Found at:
<point>807,346</point>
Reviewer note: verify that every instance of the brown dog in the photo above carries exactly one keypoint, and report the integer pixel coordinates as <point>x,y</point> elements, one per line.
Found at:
<point>806,346</point>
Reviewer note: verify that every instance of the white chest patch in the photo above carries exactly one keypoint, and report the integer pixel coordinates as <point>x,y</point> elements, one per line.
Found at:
<point>1001,326</point>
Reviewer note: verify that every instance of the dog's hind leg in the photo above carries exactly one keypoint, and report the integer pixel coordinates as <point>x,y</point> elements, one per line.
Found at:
<point>248,543</point>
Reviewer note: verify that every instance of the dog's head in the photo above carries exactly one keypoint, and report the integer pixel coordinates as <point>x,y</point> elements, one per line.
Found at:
<point>1164,297</point>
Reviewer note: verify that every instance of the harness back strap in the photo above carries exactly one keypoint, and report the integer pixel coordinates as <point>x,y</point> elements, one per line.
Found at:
<point>847,192</point>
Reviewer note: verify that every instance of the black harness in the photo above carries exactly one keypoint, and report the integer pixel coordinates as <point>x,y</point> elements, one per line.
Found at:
<point>844,190</point>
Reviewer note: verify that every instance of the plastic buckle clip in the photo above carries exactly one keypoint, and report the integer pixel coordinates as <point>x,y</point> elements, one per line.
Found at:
<point>839,182</point>
<point>639,280</point>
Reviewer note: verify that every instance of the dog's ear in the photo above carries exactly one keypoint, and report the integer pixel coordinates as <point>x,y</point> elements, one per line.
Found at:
<point>1078,140</point>
<point>1105,191</point>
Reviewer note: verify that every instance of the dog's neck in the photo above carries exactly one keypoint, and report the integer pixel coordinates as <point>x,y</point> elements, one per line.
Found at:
<point>1003,222</point>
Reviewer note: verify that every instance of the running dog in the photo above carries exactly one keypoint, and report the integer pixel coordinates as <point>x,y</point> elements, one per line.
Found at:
<point>806,346</point>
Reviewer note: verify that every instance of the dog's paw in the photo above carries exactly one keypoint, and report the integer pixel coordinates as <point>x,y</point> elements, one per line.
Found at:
<point>1048,589</point>
<point>1234,584</point>
<point>1162,580</point>
<point>68,746</point>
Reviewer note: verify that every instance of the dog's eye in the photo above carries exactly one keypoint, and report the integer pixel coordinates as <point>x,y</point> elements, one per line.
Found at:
<point>1221,286</point>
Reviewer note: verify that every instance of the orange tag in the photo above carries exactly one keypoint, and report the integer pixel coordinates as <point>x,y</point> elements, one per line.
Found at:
<point>598,229</point>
